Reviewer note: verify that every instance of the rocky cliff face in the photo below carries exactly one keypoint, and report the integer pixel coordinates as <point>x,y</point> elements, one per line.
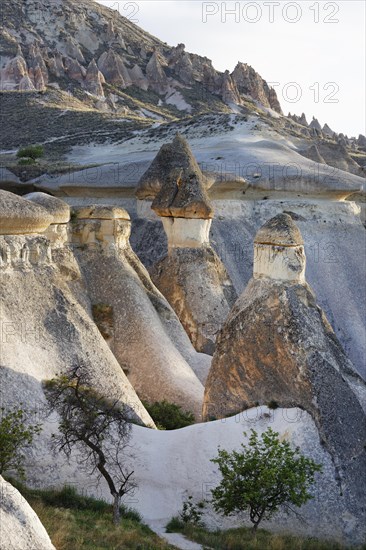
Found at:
<point>43,45</point>
<point>249,82</point>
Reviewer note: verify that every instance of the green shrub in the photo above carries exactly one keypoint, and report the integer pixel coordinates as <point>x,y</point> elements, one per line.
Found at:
<point>190,512</point>
<point>175,525</point>
<point>16,437</point>
<point>169,416</point>
<point>31,152</point>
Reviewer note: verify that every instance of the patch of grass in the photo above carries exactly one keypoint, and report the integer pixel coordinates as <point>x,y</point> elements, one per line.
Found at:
<point>26,162</point>
<point>78,522</point>
<point>88,530</point>
<point>242,539</point>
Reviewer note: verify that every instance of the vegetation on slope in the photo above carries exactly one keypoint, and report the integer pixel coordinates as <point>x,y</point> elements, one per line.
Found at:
<point>242,539</point>
<point>82,523</point>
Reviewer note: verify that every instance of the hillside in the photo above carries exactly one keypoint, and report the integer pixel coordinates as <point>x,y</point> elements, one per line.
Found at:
<point>74,73</point>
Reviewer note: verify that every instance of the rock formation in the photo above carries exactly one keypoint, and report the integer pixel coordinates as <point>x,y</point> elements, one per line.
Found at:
<point>14,72</point>
<point>134,315</point>
<point>94,80</point>
<point>277,347</point>
<point>114,37</point>
<point>361,141</point>
<point>138,78</point>
<point>337,155</point>
<point>303,121</point>
<point>197,286</point>
<point>74,70</point>
<point>21,217</point>
<point>229,91</point>
<point>181,63</point>
<point>315,124</point>
<point>57,232</point>
<point>37,62</point>
<point>182,194</point>
<point>156,76</point>
<point>20,525</point>
<point>56,65</point>
<point>249,82</point>
<point>72,49</point>
<point>327,131</point>
<point>53,329</point>
<point>112,67</point>
<point>26,85</point>
<point>191,276</point>
<point>312,153</point>
<point>171,157</point>
<point>36,76</point>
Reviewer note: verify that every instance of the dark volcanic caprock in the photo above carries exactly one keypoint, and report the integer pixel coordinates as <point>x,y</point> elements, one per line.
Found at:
<point>182,191</point>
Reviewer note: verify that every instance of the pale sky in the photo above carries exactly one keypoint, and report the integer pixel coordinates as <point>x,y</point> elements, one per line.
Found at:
<point>319,46</point>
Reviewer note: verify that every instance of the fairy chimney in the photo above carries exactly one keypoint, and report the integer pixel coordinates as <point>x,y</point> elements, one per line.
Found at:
<point>278,349</point>
<point>191,276</point>
<point>182,201</point>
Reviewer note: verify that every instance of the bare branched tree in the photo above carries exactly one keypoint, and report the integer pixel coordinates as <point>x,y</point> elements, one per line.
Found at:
<point>98,428</point>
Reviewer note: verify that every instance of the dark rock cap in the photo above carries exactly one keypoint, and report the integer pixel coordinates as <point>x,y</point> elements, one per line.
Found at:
<point>279,231</point>
<point>174,155</point>
<point>182,193</point>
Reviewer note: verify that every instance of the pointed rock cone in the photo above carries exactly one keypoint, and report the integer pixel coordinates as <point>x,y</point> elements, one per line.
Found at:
<point>229,91</point>
<point>26,85</point>
<point>315,124</point>
<point>138,78</point>
<point>113,69</point>
<point>94,80</point>
<point>327,131</point>
<point>303,120</point>
<point>156,76</point>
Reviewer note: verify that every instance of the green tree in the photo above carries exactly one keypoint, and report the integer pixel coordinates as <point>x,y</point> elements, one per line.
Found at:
<point>98,428</point>
<point>264,476</point>
<point>16,437</point>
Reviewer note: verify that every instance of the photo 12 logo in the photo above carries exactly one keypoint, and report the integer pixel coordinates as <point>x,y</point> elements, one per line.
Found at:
<point>293,92</point>
<point>129,10</point>
<point>270,12</point>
